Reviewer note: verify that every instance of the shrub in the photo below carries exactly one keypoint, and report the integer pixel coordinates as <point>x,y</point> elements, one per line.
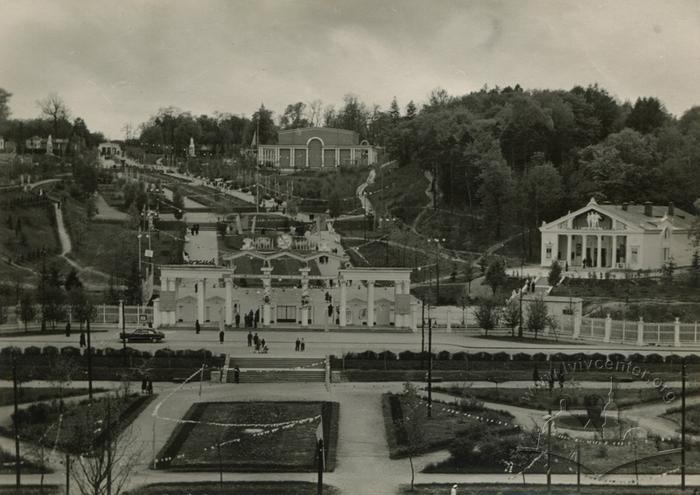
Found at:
<point>443,356</point>
<point>70,351</point>
<point>367,355</point>
<point>598,357</point>
<point>460,356</point>
<point>501,356</point>
<point>674,358</point>
<point>163,353</point>
<point>98,352</point>
<point>521,356</point>
<point>387,355</point>
<point>559,356</point>
<point>111,352</point>
<point>540,356</point>
<point>480,356</point>
<point>50,350</point>
<point>616,357</point>
<point>654,358</point>
<point>692,358</point>
<point>146,355</point>
<point>636,358</point>
<point>32,351</point>
<point>10,351</point>
<point>409,356</point>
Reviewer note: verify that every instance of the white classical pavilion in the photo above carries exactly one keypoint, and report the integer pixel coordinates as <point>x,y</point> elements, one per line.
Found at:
<point>371,297</point>
<point>625,236</point>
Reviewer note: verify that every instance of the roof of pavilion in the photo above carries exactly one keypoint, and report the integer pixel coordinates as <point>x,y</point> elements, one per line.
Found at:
<point>248,264</point>
<point>633,215</point>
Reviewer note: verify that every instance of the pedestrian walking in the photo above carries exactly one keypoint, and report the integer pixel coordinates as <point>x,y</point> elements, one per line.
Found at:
<point>453,491</point>
<point>197,326</point>
<point>256,340</point>
<point>236,375</point>
<point>82,339</point>
<point>150,386</point>
<point>257,317</point>
<point>68,329</point>
<point>297,345</point>
<point>262,343</point>
<point>144,386</point>
<point>238,320</point>
<point>221,336</point>
<point>250,339</point>
<point>303,345</point>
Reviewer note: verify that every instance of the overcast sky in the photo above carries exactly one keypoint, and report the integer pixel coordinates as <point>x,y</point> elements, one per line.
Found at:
<point>119,61</point>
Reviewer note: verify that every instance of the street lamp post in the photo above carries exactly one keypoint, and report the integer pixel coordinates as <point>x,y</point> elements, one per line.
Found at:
<point>437,241</point>
<point>430,365</point>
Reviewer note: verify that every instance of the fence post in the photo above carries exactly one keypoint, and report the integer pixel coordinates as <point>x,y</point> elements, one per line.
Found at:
<point>121,313</point>
<point>695,333</point>
<point>677,333</point>
<point>449,324</point>
<point>591,327</point>
<point>658,334</point>
<point>623,330</point>
<point>577,325</point>
<point>640,331</point>
<point>608,328</point>
<point>104,313</point>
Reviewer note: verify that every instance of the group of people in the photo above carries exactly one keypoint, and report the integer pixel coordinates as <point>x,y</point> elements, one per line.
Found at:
<point>300,345</point>
<point>250,319</point>
<point>258,343</point>
<point>194,229</point>
<point>146,386</point>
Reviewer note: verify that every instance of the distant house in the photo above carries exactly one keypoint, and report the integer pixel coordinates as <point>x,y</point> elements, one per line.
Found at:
<point>37,144</point>
<point>624,236</point>
<point>317,147</point>
<point>2,143</point>
<point>109,150</point>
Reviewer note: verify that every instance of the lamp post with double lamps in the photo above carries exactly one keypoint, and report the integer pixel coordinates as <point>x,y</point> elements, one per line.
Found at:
<point>437,241</point>
<point>386,221</point>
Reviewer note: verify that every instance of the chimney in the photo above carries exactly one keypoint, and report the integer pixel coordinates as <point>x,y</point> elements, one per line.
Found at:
<point>670,208</point>
<point>624,206</point>
<point>648,211</point>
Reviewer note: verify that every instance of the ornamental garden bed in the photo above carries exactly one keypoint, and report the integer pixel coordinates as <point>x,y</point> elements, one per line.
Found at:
<point>35,394</point>
<point>7,465</point>
<point>239,488</point>
<point>482,489</point>
<point>441,430</point>
<point>246,443</point>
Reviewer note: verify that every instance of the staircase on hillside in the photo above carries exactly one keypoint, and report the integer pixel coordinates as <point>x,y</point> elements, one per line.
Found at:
<point>263,369</point>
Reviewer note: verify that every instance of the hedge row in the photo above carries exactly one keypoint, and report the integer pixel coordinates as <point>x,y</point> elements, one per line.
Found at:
<point>521,356</point>
<point>51,351</point>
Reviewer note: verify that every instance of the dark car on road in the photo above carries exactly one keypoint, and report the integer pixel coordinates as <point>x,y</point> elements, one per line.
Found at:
<point>142,335</point>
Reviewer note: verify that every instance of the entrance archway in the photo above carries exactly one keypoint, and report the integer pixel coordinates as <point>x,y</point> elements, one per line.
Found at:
<point>315,152</point>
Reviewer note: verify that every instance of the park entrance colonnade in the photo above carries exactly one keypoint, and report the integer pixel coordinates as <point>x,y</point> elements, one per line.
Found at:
<point>178,282</point>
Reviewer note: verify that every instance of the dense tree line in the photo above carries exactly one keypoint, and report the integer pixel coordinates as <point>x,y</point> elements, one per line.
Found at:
<point>54,119</point>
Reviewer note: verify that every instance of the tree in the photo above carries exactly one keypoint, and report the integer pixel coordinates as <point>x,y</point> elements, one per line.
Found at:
<point>394,112</point>
<point>54,108</point>
<point>293,117</point>
<point>263,127</point>
<point>411,110</point>
<point>4,106</point>
<point>72,281</point>
<point>469,273</point>
<point>315,113</point>
<point>495,275</point>
<point>26,310</point>
<point>411,424</point>
<point>554,273</point>
<point>694,278</point>
<point>487,314</point>
<point>647,115</point>
<point>496,194</point>
<point>108,453</point>
<point>334,205</point>
<point>538,317</point>
<point>667,271</point>
<point>178,203</point>
<point>510,316</point>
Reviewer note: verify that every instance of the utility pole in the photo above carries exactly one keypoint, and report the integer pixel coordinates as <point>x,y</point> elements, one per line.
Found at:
<point>201,379</point>
<point>67,474</point>
<point>18,464</point>
<point>422,336</point>
<point>89,358</point>
<point>123,333</point>
<point>549,451</point>
<point>683,424</point>
<point>430,365</point>
<point>319,490</point>
<point>578,467</point>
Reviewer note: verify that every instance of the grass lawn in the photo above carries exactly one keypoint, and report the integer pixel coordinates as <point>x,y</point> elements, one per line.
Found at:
<point>32,394</point>
<point>7,465</point>
<point>637,288</point>
<point>540,398</point>
<point>106,245</point>
<point>483,489</point>
<point>692,418</point>
<point>438,431</point>
<point>31,490</point>
<point>528,340</point>
<point>252,446</point>
<point>40,422</point>
<point>239,488</point>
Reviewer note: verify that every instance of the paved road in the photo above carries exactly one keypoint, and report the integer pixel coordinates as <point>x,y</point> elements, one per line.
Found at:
<point>321,343</point>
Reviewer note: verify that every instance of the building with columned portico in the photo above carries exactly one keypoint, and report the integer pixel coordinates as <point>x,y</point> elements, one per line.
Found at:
<point>317,147</point>
<point>625,236</point>
<point>289,281</point>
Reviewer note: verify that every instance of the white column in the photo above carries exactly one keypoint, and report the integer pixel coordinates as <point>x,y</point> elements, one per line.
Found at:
<point>569,239</point>
<point>398,319</point>
<point>304,296</point>
<point>228,304</point>
<point>640,331</point>
<point>201,287</point>
<point>614,251</point>
<point>156,313</point>
<point>583,248</point>
<point>677,333</point>
<point>608,328</point>
<point>343,303</point>
<point>370,303</point>
<point>627,252</point>
<point>291,157</point>
<point>323,157</point>
<point>599,243</point>
<point>173,285</point>
<point>577,325</point>
<point>337,157</point>
<point>163,284</point>
<point>267,296</point>
<point>121,314</point>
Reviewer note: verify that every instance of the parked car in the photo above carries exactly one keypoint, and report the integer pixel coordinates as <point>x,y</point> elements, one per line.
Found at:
<point>142,335</point>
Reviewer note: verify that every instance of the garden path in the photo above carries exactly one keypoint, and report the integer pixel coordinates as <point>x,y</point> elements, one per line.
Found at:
<point>107,212</point>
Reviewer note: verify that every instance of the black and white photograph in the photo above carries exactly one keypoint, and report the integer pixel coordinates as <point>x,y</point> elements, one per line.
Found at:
<point>357,247</point>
